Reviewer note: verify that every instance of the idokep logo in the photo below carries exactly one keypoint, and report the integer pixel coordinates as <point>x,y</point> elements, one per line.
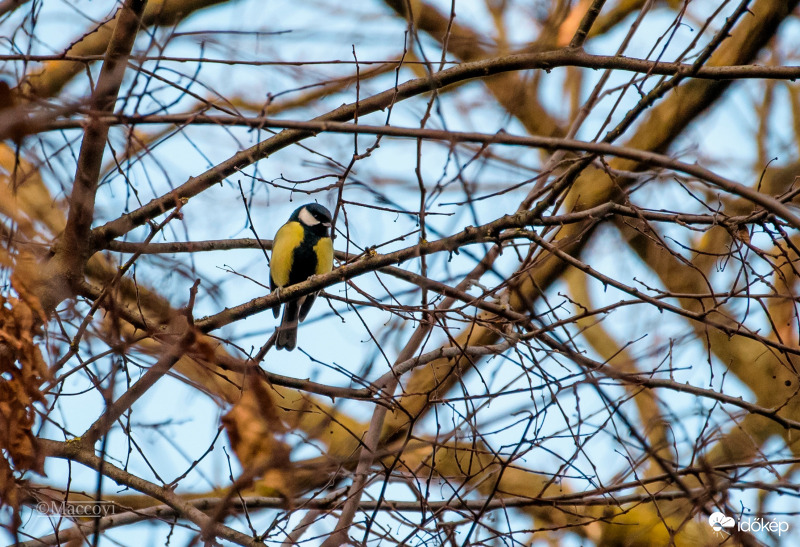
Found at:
<point>720,521</point>
<point>76,509</point>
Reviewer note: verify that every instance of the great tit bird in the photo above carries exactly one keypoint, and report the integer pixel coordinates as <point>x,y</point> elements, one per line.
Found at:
<point>302,248</point>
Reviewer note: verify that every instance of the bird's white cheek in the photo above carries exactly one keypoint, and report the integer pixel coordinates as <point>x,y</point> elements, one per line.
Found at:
<point>307,218</point>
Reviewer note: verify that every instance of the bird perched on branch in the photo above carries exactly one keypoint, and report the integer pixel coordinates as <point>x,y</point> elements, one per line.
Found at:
<point>302,248</point>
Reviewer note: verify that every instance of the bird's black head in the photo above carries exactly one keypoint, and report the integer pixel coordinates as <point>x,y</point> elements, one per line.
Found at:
<point>314,217</point>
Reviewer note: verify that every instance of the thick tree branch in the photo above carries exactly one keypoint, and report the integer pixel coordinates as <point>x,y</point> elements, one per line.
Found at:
<point>74,248</point>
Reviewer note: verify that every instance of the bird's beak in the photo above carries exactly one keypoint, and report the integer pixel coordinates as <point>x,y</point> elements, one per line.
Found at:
<point>326,224</point>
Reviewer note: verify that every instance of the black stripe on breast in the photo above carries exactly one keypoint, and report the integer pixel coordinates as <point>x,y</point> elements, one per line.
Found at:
<point>304,264</point>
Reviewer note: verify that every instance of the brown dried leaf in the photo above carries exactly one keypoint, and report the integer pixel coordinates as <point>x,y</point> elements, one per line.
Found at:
<point>254,428</point>
<point>23,371</point>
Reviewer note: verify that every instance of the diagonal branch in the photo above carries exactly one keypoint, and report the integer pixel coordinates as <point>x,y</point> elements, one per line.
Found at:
<point>104,423</point>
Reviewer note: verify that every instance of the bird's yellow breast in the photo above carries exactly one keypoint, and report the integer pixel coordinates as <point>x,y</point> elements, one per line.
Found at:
<point>324,251</point>
<point>286,241</point>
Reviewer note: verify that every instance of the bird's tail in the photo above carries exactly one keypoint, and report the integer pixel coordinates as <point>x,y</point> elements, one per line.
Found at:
<point>287,331</point>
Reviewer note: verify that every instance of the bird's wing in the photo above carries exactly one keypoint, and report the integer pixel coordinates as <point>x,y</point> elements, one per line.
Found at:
<point>272,286</point>
<point>306,307</point>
